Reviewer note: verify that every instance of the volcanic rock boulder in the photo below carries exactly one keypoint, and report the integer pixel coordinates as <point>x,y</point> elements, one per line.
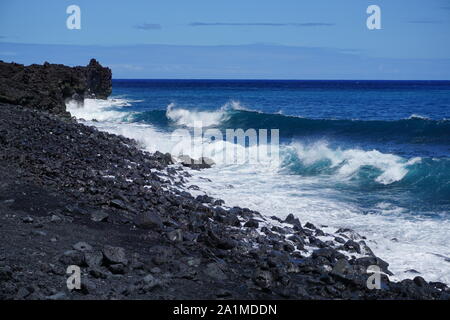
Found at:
<point>47,87</point>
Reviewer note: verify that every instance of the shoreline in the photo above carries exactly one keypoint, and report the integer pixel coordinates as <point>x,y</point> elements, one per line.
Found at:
<point>178,241</point>
<point>412,245</point>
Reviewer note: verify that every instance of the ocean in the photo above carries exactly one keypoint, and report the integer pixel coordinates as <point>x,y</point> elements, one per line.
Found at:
<point>373,156</point>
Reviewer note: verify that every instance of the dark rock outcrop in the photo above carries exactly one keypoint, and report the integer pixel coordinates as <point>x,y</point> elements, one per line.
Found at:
<point>47,87</point>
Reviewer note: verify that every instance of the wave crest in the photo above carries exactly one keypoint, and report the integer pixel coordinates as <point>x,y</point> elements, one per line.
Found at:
<point>194,119</point>
<point>320,158</point>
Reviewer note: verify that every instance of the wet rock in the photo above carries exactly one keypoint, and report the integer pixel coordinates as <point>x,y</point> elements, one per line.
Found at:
<point>319,233</point>
<point>288,247</point>
<point>328,253</point>
<point>275,218</point>
<point>352,246</point>
<point>293,220</point>
<point>252,224</point>
<point>409,288</point>
<point>278,230</point>
<point>218,202</point>
<point>228,218</point>
<point>201,163</point>
<point>296,239</point>
<point>349,234</point>
<point>317,242</point>
<point>309,225</point>
<point>373,261</point>
<point>204,199</point>
<point>339,240</point>
<point>164,158</point>
<point>412,271</point>
<point>420,281</point>
<point>342,266</point>
<point>440,286</point>
<point>365,250</point>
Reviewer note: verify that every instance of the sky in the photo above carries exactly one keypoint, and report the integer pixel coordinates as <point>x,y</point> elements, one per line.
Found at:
<point>234,39</point>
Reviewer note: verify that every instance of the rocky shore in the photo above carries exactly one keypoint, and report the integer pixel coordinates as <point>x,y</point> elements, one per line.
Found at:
<point>72,195</point>
<point>47,87</point>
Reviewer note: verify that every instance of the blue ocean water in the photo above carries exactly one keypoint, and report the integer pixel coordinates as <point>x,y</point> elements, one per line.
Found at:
<point>371,155</point>
<point>384,112</point>
<point>404,118</point>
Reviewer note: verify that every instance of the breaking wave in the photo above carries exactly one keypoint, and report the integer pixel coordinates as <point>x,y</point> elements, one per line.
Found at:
<point>416,130</point>
<point>381,193</point>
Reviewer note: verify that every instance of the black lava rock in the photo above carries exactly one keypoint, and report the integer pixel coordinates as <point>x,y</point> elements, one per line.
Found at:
<point>47,87</point>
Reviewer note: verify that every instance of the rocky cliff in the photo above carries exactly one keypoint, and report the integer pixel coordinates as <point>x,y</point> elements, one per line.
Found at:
<point>47,87</point>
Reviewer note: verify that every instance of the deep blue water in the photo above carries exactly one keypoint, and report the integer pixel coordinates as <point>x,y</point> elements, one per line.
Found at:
<point>410,118</point>
<point>406,119</point>
<point>347,100</point>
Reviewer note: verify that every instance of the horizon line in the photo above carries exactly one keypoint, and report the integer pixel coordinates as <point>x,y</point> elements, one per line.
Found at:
<point>260,79</point>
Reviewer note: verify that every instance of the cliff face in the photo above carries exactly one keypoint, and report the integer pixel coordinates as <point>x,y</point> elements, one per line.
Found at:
<point>47,87</point>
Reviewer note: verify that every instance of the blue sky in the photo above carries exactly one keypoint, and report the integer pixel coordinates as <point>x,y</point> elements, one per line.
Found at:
<point>288,39</point>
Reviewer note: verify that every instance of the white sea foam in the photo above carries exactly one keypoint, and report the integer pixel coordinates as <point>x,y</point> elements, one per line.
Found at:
<point>100,110</point>
<point>418,116</point>
<point>348,162</point>
<point>190,118</point>
<point>195,118</point>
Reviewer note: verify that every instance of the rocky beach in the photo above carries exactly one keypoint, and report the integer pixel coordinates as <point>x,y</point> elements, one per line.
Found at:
<point>73,195</point>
